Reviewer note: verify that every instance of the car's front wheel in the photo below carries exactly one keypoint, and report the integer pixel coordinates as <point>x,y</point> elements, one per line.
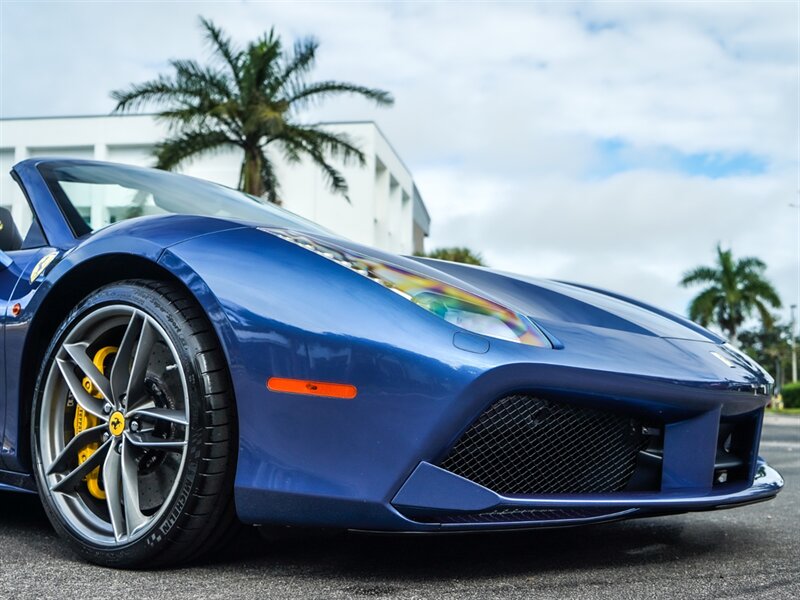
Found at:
<point>133,428</point>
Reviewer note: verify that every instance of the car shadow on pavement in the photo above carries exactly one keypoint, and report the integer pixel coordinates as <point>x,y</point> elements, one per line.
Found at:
<point>371,557</point>
<point>388,558</point>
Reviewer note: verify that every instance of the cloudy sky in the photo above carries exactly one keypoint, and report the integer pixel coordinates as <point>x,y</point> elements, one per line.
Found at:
<point>612,143</point>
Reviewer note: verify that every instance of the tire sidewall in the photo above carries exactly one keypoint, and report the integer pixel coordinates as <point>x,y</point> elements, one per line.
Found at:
<point>134,553</point>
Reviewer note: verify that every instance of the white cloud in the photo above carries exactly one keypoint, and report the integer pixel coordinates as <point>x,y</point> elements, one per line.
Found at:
<point>635,233</point>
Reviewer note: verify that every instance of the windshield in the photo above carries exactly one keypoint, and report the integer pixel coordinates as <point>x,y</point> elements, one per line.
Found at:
<point>94,195</point>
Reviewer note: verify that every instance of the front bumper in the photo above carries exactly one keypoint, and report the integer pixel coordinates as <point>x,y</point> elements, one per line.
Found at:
<point>375,469</point>
<point>528,462</point>
<point>435,499</point>
<point>430,498</point>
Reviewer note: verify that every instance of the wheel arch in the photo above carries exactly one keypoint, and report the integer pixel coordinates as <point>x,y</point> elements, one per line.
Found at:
<point>64,294</point>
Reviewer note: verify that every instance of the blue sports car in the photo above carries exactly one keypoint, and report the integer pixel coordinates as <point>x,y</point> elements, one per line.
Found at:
<point>206,360</point>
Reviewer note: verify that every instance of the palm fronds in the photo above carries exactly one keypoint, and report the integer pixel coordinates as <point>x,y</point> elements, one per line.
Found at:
<point>735,289</point>
<point>248,98</point>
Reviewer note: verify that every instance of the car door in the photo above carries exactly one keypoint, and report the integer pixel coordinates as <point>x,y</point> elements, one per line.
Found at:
<point>22,246</point>
<point>8,279</point>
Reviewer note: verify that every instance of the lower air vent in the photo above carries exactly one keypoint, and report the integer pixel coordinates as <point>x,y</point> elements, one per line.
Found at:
<point>528,445</point>
<point>516,515</point>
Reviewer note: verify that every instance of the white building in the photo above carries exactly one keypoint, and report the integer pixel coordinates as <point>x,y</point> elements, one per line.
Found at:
<point>385,208</point>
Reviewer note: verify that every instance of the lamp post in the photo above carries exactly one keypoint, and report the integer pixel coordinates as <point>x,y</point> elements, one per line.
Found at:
<point>794,306</point>
<point>794,344</point>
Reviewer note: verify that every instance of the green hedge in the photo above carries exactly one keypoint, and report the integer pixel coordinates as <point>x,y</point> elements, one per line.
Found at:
<point>791,395</point>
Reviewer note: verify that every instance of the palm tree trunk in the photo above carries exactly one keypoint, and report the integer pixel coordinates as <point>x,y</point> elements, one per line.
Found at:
<point>251,181</point>
<point>733,332</point>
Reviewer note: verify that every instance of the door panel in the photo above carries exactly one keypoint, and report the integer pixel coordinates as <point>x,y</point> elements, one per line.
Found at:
<point>8,281</point>
<point>16,262</point>
<point>16,288</point>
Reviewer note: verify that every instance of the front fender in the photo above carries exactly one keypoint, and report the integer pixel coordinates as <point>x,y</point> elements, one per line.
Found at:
<point>45,298</point>
<point>295,314</point>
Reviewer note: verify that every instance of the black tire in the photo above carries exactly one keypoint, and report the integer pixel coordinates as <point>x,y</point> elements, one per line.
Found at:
<point>199,514</point>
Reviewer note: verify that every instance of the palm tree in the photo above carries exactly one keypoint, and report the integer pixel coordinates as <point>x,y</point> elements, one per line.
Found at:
<point>249,99</point>
<point>735,289</point>
<point>460,254</point>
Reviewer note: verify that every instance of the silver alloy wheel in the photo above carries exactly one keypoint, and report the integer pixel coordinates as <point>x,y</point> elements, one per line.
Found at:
<point>139,442</point>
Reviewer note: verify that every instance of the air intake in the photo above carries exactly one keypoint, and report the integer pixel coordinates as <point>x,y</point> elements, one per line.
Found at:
<point>528,445</point>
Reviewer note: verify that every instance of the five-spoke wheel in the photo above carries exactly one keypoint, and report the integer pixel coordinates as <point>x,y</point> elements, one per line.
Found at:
<point>120,423</point>
<point>141,412</point>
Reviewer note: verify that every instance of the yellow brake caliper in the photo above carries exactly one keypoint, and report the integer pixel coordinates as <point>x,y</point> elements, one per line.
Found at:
<point>84,420</point>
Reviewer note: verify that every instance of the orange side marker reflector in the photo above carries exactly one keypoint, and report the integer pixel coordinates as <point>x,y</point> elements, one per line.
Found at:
<point>312,388</point>
<point>16,309</point>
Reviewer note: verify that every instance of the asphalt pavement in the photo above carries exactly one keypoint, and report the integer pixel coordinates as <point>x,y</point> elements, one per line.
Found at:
<point>748,552</point>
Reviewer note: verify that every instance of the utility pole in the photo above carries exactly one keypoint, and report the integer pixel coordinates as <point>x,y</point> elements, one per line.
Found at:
<point>794,344</point>
<point>794,306</point>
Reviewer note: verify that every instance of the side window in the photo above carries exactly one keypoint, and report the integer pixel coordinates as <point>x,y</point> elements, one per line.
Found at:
<point>19,229</point>
<point>102,204</point>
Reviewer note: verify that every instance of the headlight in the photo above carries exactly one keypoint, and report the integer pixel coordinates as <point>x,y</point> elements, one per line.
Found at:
<point>454,305</point>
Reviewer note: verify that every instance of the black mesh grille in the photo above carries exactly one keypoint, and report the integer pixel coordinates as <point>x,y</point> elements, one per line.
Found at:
<point>528,445</point>
<point>516,515</point>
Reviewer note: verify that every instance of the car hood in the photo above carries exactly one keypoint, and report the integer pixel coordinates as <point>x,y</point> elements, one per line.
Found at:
<point>555,305</point>
<point>595,328</point>
<point>552,304</point>
<point>558,302</point>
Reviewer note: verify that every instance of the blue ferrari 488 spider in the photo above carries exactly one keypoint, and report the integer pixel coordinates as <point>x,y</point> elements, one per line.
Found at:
<point>207,360</point>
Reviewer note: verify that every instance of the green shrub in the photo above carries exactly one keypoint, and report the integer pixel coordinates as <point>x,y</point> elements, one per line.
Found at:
<point>791,395</point>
